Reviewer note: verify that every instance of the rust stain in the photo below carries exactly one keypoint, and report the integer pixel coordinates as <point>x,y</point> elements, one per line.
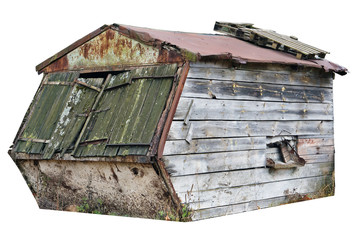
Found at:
<point>99,46</point>
<point>110,48</point>
<point>169,56</point>
<point>59,65</point>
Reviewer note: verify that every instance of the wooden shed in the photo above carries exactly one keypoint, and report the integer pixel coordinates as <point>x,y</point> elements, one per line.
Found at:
<point>180,126</point>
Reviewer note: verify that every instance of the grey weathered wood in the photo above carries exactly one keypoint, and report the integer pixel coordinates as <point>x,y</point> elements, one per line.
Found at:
<point>316,136</point>
<point>210,109</point>
<point>242,207</point>
<point>317,158</point>
<point>282,165</point>
<point>315,146</point>
<point>234,90</point>
<point>275,139</point>
<point>212,162</point>
<point>238,208</point>
<point>325,154</point>
<point>213,145</point>
<point>218,180</point>
<point>212,129</point>
<point>235,195</point>
<point>208,65</point>
<point>316,150</point>
<point>312,149</point>
<point>189,135</point>
<point>261,76</point>
<point>310,142</point>
<point>279,68</point>
<point>189,113</point>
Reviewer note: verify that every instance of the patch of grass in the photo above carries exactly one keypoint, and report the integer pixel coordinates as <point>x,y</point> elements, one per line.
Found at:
<point>95,208</point>
<point>184,216</point>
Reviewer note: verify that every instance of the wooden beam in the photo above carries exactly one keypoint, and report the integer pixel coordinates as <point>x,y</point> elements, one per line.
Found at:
<point>254,192</point>
<point>221,129</point>
<point>87,85</point>
<point>90,115</point>
<point>214,145</point>
<point>210,109</point>
<point>228,179</point>
<point>172,111</point>
<point>69,157</point>
<point>260,75</point>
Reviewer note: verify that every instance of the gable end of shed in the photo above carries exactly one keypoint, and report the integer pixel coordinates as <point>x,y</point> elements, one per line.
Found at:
<point>109,49</point>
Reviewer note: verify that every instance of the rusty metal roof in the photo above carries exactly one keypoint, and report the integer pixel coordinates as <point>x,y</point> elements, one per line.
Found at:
<point>204,46</point>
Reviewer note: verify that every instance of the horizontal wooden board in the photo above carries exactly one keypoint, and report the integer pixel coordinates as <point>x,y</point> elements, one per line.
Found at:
<point>316,150</point>
<point>318,158</point>
<point>221,89</point>
<point>213,129</point>
<point>210,109</point>
<point>264,67</point>
<point>312,146</point>
<point>218,180</point>
<point>213,145</point>
<point>227,196</point>
<point>274,154</point>
<point>261,76</point>
<point>311,142</point>
<point>178,165</point>
<point>242,207</point>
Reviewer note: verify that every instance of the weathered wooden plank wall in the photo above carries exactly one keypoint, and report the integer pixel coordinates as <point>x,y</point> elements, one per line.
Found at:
<point>216,149</point>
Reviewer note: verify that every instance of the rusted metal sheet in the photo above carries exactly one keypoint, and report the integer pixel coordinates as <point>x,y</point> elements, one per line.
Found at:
<point>107,49</point>
<point>125,45</point>
<point>204,46</point>
<point>68,49</point>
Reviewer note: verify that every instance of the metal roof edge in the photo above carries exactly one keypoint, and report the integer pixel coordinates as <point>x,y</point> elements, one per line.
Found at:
<point>71,47</point>
<point>150,40</point>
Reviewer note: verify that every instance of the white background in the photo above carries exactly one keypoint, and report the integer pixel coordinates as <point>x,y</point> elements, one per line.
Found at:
<point>32,31</point>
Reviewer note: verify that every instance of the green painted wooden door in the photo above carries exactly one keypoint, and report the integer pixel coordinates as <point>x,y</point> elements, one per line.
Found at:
<point>45,112</point>
<point>97,117</point>
<point>130,109</point>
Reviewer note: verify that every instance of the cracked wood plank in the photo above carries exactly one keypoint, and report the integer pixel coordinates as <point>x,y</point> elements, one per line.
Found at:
<point>219,128</point>
<point>209,109</point>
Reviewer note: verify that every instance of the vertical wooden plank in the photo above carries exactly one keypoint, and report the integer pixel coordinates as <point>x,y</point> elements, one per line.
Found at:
<point>73,129</point>
<point>157,110</point>
<point>68,126</point>
<point>53,114</point>
<point>148,106</point>
<point>120,117</point>
<point>133,119</point>
<point>45,113</point>
<point>182,78</point>
<point>93,108</point>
